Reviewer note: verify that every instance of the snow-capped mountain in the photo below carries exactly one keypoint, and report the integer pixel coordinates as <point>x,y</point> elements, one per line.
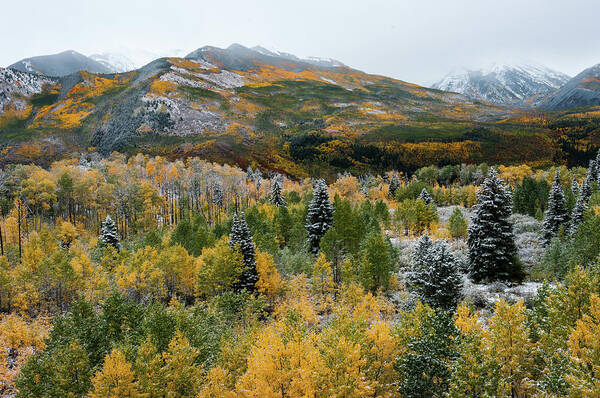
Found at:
<point>61,64</point>
<point>519,84</point>
<point>127,59</point>
<point>582,90</point>
<point>317,61</point>
<point>116,62</point>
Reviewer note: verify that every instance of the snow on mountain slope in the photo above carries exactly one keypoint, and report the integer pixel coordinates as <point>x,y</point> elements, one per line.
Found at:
<point>116,62</point>
<point>519,84</point>
<point>582,90</point>
<point>62,64</point>
<point>16,86</point>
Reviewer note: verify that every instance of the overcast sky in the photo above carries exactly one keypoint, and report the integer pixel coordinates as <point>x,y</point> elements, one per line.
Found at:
<point>417,41</point>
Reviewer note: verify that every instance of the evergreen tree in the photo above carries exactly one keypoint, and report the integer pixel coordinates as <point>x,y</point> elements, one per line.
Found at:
<point>425,368</point>
<point>492,249</point>
<point>578,210</point>
<point>435,277</point>
<point>394,185</point>
<point>593,170</point>
<point>598,167</point>
<point>276,198</point>
<point>240,239</point>
<point>557,213</point>
<point>419,256</point>
<point>425,196</point>
<point>586,187</point>
<point>574,186</point>
<point>109,235</point>
<point>457,224</point>
<point>319,217</point>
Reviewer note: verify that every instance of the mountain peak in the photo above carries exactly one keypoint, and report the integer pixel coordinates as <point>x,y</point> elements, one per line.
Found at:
<point>523,83</point>
<point>61,64</point>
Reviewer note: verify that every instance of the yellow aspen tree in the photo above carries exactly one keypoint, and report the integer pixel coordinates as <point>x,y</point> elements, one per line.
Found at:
<point>584,353</point>
<point>269,281</point>
<point>116,379</point>
<point>511,349</point>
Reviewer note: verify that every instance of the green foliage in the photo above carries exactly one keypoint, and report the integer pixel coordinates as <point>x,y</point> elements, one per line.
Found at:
<point>426,367</point>
<point>376,262</point>
<point>457,224</point>
<point>531,196</point>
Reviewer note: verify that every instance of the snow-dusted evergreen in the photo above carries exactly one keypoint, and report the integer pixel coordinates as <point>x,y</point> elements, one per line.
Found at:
<point>492,251</point>
<point>435,277</point>
<point>421,251</point>
<point>109,235</point>
<point>425,196</point>
<point>241,239</point>
<point>579,209</point>
<point>217,191</point>
<point>593,171</point>
<point>597,162</point>
<point>586,186</point>
<point>557,214</point>
<point>319,217</point>
<point>395,184</point>
<point>276,198</point>
<point>574,186</point>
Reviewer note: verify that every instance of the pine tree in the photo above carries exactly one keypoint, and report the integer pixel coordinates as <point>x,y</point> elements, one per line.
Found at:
<point>109,235</point>
<point>578,210</point>
<point>394,185</point>
<point>492,249</point>
<point>419,256</point>
<point>592,172</point>
<point>218,196</point>
<point>276,197</point>
<point>240,239</point>
<point>574,186</point>
<point>319,217</point>
<point>598,166</point>
<point>589,179</point>
<point>435,277</point>
<point>557,213</point>
<point>425,196</point>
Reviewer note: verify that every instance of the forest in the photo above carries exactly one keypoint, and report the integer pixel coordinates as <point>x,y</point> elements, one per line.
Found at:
<point>140,276</point>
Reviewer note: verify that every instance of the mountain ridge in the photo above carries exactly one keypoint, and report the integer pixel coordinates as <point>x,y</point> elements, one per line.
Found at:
<point>524,84</point>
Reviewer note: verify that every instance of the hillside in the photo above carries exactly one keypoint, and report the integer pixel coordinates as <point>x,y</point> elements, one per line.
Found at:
<point>582,90</point>
<point>61,64</point>
<point>249,106</point>
<point>520,84</point>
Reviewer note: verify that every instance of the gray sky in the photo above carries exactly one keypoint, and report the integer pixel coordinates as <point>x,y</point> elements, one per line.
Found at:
<point>417,41</point>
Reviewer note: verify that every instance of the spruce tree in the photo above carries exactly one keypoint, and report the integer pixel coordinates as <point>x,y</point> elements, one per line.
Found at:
<point>425,196</point>
<point>574,186</point>
<point>240,239</point>
<point>435,277</point>
<point>276,197</point>
<point>592,172</point>
<point>586,186</point>
<point>557,213</point>
<point>394,185</point>
<point>578,210</point>
<point>597,161</point>
<point>109,235</point>
<point>492,250</point>
<point>422,248</point>
<point>319,217</point>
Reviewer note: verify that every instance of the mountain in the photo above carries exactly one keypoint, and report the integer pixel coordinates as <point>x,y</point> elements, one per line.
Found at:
<point>582,90</point>
<point>115,62</point>
<point>61,64</point>
<point>242,105</point>
<point>521,84</point>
